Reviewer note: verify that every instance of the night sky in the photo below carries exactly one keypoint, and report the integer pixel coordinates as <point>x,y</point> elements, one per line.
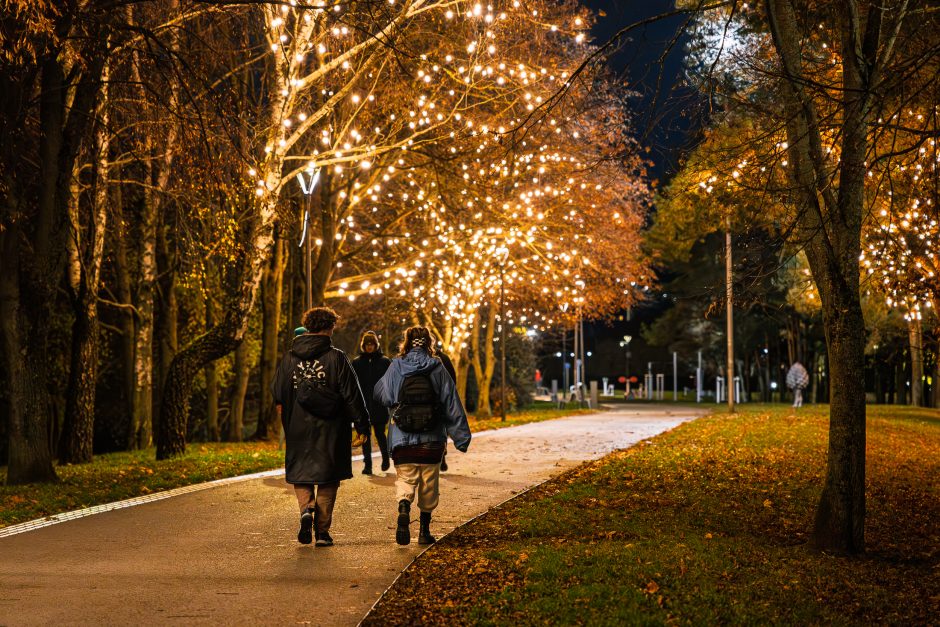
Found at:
<point>664,126</point>
<point>661,121</point>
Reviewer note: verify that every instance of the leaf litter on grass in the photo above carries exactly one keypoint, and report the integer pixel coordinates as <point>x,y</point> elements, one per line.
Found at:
<point>707,523</point>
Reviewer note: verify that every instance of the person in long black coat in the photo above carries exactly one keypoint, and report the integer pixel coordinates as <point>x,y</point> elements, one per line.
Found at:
<point>370,365</point>
<point>317,456</point>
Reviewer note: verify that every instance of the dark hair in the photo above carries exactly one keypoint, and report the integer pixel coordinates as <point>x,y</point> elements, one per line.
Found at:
<point>320,319</point>
<point>369,337</point>
<point>417,337</point>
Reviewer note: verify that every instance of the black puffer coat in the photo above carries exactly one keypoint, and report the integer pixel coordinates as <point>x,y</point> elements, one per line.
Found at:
<point>369,369</point>
<point>318,448</point>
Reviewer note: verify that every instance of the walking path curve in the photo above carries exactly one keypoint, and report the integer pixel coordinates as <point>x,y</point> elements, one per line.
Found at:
<point>229,555</point>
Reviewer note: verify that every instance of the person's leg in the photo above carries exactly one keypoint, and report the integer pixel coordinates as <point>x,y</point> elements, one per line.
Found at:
<point>305,500</point>
<point>326,500</point>
<point>405,487</point>
<point>305,495</point>
<point>429,487</point>
<point>382,440</point>
<point>367,455</point>
<point>799,397</point>
<point>428,498</point>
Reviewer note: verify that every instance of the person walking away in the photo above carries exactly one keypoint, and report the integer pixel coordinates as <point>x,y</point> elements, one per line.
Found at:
<point>425,411</point>
<point>318,397</point>
<point>797,380</point>
<point>370,365</point>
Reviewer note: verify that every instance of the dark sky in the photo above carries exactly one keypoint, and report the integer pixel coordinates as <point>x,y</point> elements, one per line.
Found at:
<point>664,122</point>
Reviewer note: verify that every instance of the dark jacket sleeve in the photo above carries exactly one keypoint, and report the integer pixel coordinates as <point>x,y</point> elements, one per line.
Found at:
<point>282,388</point>
<point>353,401</point>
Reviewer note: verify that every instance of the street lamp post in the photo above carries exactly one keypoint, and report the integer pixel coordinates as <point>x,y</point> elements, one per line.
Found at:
<point>626,344</point>
<point>307,185</point>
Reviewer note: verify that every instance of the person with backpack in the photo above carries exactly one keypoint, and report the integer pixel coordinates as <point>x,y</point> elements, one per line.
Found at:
<point>319,399</point>
<point>425,409</point>
<point>370,365</point>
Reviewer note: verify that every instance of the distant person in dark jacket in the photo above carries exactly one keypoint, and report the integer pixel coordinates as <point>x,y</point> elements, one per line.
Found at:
<point>370,365</point>
<point>317,456</point>
<point>417,453</point>
<point>449,367</point>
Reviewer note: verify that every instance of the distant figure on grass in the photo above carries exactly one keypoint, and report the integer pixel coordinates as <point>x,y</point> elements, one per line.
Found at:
<point>425,410</point>
<point>797,380</point>
<point>370,365</point>
<point>318,398</point>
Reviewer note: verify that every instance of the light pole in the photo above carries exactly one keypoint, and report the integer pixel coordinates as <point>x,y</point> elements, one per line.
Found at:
<point>729,304</point>
<point>564,354</point>
<point>502,344</point>
<point>626,344</point>
<point>307,185</point>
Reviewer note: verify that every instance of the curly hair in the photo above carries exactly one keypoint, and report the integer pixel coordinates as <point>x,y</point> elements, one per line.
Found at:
<point>320,319</point>
<point>416,337</point>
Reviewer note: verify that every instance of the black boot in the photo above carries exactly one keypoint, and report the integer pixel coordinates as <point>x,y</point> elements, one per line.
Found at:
<point>403,532</point>
<point>306,524</point>
<point>424,533</point>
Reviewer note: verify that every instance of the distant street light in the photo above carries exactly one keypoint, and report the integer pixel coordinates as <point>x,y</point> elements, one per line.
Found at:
<point>626,344</point>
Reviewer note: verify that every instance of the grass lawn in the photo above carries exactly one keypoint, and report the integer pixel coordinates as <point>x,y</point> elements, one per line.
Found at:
<point>705,524</point>
<point>118,476</point>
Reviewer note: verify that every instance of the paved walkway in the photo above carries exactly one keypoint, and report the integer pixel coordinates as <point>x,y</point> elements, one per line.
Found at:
<point>229,555</point>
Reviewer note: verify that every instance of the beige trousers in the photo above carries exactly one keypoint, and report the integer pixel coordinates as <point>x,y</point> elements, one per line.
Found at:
<point>423,479</point>
<point>321,500</point>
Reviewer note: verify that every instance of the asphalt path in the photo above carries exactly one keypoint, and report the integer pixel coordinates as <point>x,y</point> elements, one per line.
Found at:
<point>229,554</point>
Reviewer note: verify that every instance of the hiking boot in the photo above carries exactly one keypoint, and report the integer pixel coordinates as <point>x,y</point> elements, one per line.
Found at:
<point>324,538</point>
<point>403,531</point>
<point>306,524</point>
<point>385,464</point>
<point>424,533</point>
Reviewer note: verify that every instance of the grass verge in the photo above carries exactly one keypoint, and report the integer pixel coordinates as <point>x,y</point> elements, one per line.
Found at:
<point>705,524</point>
<point>118,476</point>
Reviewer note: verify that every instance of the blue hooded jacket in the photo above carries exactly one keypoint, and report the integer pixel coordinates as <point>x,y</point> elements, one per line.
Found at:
<point>417,361</point>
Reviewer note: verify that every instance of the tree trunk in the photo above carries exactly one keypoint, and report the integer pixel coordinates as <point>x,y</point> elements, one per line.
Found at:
<point>31,274</point>
<point>236,414</point>
<point>484,361</point>
<point>165,321</point>
<point>141,433</point>
<point>463,373</point>
<point>936,377</point>
<point>830,223</point>
<point>126,321</point>
<point>29,454</point>
<point>272,289</point>
<point>79,431</point>
<point>900,382</point>
<point>916,334</point>
<point>212,385</point>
